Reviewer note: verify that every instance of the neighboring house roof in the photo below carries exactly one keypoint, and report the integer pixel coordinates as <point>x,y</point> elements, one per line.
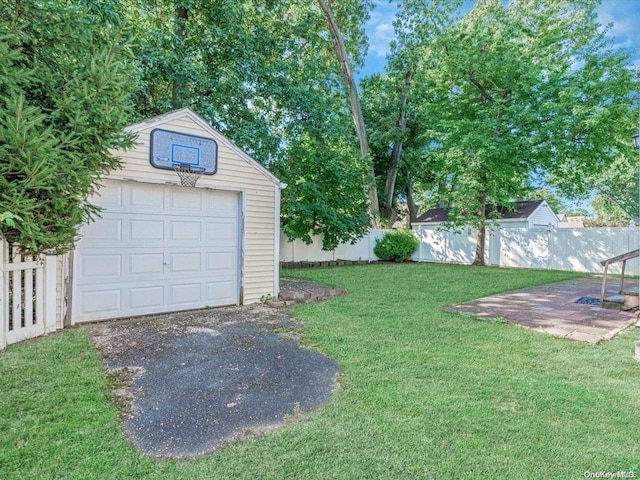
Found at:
<point>434,215</point>
<point>571,222</point>
<point>523,210</point>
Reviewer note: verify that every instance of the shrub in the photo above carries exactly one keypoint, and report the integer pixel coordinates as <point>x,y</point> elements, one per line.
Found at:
<point>396,246</point>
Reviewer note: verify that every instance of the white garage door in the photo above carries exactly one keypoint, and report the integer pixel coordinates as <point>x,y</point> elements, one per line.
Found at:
<point>157,248</point>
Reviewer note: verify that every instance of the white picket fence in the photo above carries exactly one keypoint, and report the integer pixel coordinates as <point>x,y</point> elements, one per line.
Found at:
<point>27,295</point>
<point>579,249</point>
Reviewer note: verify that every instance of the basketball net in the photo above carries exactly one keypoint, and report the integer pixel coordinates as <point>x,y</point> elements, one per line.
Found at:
<point>188,175</point>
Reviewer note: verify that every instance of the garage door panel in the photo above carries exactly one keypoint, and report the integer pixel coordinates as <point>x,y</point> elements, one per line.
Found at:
<point>224,233</point>
<point>103,230</point>
<point>149,197</point>
<point>109,197</point>
<point>101,266</point>
<point>146,230</point>
<point>185,231</point>
<point>188,202</point>
<point>146,263</point>
<point>225,204</point>
<point>185,262</point>
<point>219,293</point>
<point>221,261</point>
<point>146,297</point>
<point>157,249</point>
<point>188,293</point>
<point>101,301</point>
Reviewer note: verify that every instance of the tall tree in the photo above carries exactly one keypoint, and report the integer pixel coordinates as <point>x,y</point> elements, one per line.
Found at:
<point>65,84</point>
<point>354,98</point>
<point>527,88</point>
<point>392,104</point>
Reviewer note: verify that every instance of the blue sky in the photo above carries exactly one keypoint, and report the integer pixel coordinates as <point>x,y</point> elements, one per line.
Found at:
<point>624,15</point>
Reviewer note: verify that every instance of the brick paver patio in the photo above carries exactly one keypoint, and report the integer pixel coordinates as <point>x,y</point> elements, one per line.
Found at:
<point>552,308</point>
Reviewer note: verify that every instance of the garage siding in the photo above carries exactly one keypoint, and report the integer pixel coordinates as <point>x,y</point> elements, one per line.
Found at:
<point>234,173</point>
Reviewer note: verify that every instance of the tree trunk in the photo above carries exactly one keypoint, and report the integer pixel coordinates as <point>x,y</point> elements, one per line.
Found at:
<point>413,208</point>
<point>354,102</point>
<point>482,230</point>
<point>178,86</point>
<point>394,163</point>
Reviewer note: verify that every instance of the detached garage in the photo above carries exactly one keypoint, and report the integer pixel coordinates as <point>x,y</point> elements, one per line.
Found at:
<point>163,246</point>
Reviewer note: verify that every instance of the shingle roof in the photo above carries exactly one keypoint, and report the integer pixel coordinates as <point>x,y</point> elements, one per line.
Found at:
<point>434,215</point>
<point>523,209</point>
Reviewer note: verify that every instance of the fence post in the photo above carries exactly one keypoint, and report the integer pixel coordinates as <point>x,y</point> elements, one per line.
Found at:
<point>50,267</point>
<point>445,235</point>
<point>4,303</point>
<point>550,231</point>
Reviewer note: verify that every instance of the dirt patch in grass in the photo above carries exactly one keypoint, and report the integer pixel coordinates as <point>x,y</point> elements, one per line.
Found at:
<point>297,290</point>
<point>116,337</point>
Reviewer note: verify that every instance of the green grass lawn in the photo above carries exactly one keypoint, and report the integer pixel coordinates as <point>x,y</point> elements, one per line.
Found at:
<point>424,394</point>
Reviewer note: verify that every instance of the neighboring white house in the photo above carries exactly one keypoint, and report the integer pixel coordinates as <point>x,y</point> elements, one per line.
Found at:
<point>525,214</point>
<point>160,246</point>
<point>437,244</point>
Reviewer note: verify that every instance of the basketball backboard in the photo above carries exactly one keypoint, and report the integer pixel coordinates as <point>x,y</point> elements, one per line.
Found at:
<point>169,149</point>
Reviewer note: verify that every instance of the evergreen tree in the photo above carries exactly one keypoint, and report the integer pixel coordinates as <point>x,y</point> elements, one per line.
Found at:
<point>65,80</point>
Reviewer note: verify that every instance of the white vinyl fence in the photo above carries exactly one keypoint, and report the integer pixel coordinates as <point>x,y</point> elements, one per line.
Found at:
<point>575,249</point>
<point>27,295</point>
<point>298,251</point>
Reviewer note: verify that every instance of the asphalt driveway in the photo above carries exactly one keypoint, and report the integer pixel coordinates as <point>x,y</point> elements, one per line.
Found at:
<point>192,382</point>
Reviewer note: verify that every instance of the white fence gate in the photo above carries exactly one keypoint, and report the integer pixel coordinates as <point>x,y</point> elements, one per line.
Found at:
<point>27,295</point>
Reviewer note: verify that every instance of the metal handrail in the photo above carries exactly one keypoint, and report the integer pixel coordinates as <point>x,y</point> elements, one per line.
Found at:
<point>619,258</point>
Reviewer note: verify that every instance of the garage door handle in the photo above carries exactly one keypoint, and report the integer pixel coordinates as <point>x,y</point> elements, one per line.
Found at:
<point>165,263</point>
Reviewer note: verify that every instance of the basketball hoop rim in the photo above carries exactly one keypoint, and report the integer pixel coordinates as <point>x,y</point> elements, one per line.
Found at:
<point>187,167</point>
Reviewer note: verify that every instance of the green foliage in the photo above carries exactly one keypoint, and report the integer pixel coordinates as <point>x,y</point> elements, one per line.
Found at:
<point>393,107</point>
<point>264,73</point>
<point>396,246</point>
<point>607,212</point>
<point>326,196</point>
<point>617,190</point>
<point>268,298</point>
<point>64,86</point>
<point>513,92</point>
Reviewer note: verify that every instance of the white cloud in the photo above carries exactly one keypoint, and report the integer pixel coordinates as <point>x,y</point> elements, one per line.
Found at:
<point>379,28</point>
<point>624,17</point>
<point>381,38</point>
